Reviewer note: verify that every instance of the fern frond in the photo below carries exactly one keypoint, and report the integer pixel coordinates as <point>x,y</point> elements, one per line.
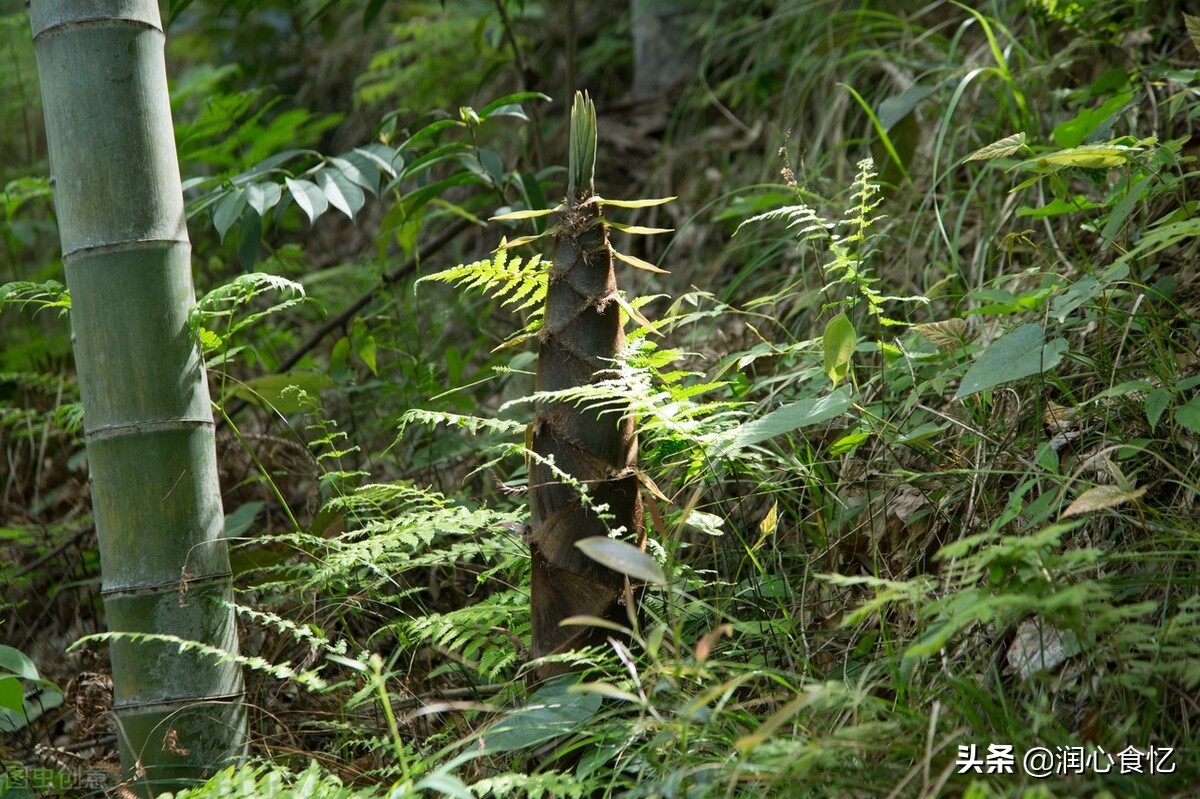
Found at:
<point>516,283</point>
<point>470,632</point>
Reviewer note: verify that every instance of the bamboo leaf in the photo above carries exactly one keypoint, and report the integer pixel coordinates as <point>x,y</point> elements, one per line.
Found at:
<point>512,216</point>
<point>517,242</point>
<point>636,315</point>
<point>634,261</point>
<point>636,230</point>
<point>622,557</point>
<point>635,203</point>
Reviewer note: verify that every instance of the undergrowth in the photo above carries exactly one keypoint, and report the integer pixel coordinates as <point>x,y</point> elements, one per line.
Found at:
<point>919,459</point>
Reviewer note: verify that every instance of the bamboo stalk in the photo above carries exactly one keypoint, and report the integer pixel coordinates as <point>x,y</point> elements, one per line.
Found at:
<point>148,421</point>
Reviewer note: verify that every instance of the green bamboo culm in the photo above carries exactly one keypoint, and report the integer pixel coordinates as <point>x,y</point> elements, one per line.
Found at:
<point>580,339</point>
<point>148,421</point>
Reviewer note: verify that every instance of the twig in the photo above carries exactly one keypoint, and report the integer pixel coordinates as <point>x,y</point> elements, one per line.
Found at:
<point>336,322</point>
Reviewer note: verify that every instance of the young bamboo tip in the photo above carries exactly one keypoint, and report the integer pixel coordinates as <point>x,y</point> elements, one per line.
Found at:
<point>581,163</point>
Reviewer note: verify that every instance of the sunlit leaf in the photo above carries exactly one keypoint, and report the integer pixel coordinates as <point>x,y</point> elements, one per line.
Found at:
<point>947,335</point>
<point>998,149</point>
<point>636,230</point>
<point>622,557</point>
<point>636,203</point>
<point>1090,156</point>
<point>308,196</point>
<point>1101,497</point>
<point>839,341</point>
<point>634,261</point>
<point>342,193</point>
<point>528,214</point>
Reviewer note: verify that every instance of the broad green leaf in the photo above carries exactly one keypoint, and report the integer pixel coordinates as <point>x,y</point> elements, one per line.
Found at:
<point>998,149</point>
<point>12,697</point>
<point>509,110</point>
<point>551,712</point>
<point>1019,353</point>
<point>793,416</point>
<point>342,193</point>
<point>510,99</point>
<point>358,170</point>
<point>1076,295</point>
<point>1121,212</point>
<point>848,442</point>
<point>15,662</point>
<point>308,196</point>
<point>1101,497</point>
<point>839,341</point>
<point>364,344</point>
<point>1059,206</point>
<point>227,211</point>
<point>381,155</point>
<point>339,360</point>
<point>240,520</point>
<point>1188,414</point>
<point>262,197</point>
<point>1156,403</point>
<point>898,106</point>
<point>707,523</point>
<point>1074,132</point>
<point>622,557</point>
<point>249,239</point>
<point>634,261</point>
<point>442,784</point>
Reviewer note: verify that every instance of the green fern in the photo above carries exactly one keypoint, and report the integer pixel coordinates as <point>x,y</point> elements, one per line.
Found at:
<point>516,283</point>
<point>850,251</point>
<point>472,632</point>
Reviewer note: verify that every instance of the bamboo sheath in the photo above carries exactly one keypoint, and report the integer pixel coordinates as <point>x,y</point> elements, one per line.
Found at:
<point>581,337</point>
